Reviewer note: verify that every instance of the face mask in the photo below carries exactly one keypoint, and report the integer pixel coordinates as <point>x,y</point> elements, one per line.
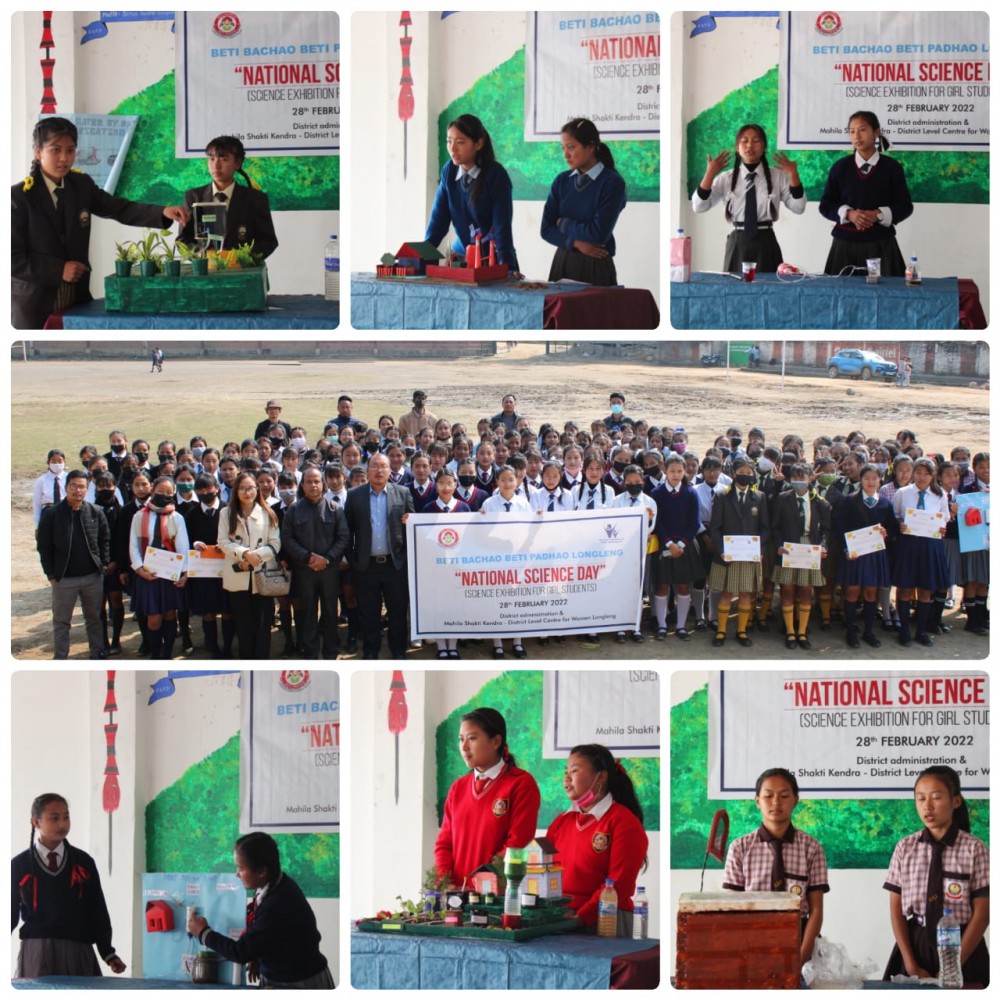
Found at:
<point>466,481</point>
<point>827,478</point>
<point>164,458</point>
<point>141,456</point>
<point>298,443</point>
<point>409,452</point>
<point>620,467</point>
<point>801,486</point>
<point>743,480</point>
<point>754,454</point>
<point>765,465</point>
<point>185,488</point>
<point>736,442</point>
<point>104,497</point>
<point>654,472</point>
<point>57,468</point>
<point>287,495</point>
<point>197,452</point>
<point>119,449</point>
<point>588,798</point>
<point>963,467</point>
<point>616,408</point>
<point>725,452</point>
<point>162,501</point>
<point>881,466</point>
<point>680,447</point>
<point>207,498</point>
<point>871,501</point>
<point>371,447</point>
<point>633,489</point>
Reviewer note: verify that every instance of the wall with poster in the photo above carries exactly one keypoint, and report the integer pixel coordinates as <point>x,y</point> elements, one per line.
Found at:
<point>128,68</point>
<point>858,827</point>
<point>724,73</point>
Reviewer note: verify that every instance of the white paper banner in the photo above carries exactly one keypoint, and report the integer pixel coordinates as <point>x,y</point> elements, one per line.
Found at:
<point>847,735</point>
<point>619,709</point>
<point>481,575</point>
<point>925,75</point>
<point>290,751</point>
<point>271,78</point>
<point>601,65</point>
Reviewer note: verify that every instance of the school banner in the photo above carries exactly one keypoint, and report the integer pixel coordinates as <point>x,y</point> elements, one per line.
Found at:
<point>481,575</point>
<point>290,752</point>
<point>926,75</point>
<point>271,78</point>
<point>844,734</point>
<point>619,709</point>
<point>604,66</point>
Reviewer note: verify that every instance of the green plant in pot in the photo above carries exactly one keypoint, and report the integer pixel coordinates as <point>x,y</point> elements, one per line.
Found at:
<point>194,256</point>
<point>124,257</point>
<point>145,252</point>
<point>245,257</point>
<point>171,256</point>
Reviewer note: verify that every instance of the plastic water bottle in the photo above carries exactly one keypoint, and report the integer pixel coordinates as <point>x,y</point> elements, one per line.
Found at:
<point>912,273</point>
<point>513,870</point>
<point>331,268</point>
<point>607,911</point>
<point>949,946</point>
<point>640,915</point>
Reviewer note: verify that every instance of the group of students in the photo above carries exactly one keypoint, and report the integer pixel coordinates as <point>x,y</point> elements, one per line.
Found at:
<point>52,208</point>
<point>57,900</point>
<point>941,865</point>
<point>865,197</point>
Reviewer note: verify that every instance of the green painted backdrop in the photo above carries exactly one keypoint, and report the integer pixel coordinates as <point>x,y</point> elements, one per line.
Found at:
<point>497,99</point>
<point>961,178</point>
<point>153,174</point>
<point>517,696</point>
<point>855,833</point>
<point>192,826</point>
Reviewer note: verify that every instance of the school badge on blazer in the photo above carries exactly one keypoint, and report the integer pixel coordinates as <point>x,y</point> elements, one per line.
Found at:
<point>241,233</point>
<point>754,511</point>
<point>795,890</point>
<point>500,807</point>
<point>84,219</point>
<point>600,842</point>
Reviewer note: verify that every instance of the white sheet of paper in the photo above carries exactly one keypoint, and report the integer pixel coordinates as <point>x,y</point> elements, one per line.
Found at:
<point>924,523</point>
<point>741,548</point>
<point>206,564</point>
<point>166,565</point>
<point>801,556</point>
<point>864,540</point>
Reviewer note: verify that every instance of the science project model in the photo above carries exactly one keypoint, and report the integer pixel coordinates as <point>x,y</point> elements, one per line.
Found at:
<point>418,259</point>
<point>515,898</point>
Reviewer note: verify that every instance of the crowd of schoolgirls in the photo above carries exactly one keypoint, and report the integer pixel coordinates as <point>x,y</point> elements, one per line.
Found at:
<point>751,487</point>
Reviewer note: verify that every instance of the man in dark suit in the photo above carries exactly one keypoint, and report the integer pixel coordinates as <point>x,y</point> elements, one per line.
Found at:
<point>377,553</point>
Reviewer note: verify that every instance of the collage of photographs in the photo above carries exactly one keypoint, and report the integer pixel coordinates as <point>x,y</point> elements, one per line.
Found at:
<point>760,441</point>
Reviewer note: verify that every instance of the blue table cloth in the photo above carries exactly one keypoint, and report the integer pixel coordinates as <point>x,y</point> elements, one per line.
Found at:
<point>719,302</point>
<point>113,983</point>
<point>557,962</point>
<point>284,312</point>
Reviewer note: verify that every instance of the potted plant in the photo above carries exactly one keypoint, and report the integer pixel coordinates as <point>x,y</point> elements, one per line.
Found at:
<point>245,257</point>
<point>196,258</point>
<point>145,252</point>
<point>170,259</point>
<point>124,256</point>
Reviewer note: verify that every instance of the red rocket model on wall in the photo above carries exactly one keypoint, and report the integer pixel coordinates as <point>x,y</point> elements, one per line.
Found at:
<point>111,796</point>
<point>398,715</point>
<point>405,103</point>
<point>48,65</point>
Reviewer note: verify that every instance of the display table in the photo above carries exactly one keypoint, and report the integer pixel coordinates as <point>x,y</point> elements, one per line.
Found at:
<point>284,312</point>
<point>720,302</point>
<point>114,983</point>
<point>432,304</point>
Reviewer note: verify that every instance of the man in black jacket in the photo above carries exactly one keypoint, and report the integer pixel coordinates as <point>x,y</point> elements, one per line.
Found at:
<point>74,547</point>
<point>314,535</point>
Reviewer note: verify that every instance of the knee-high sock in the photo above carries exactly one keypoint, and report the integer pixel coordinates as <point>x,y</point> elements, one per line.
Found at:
<point>903,607</point>
<point>713,604</point>
<point>660,603</point>
<point>805,610</point>
<point>870,609</point>
<point>923,616</point>
<point>851,617</point>
<point>825,604</point>
<point>210,626</point>
<point>154,642</point>
<point>169,635</point>
<point>117,624</point>
<point>723,614</point>
<point>744,614</point>
<point>788,613</point>
<point>683,606</point>
<point>698,602</point>
<point>885,599</point>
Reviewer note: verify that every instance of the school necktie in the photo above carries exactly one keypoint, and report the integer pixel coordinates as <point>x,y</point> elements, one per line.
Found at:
<point>53,861</point>
<point>742,497</point>
<point>920,502</point>
<point>777,867</point>
<point>56,490</point>
<point>552,502</point>
<point>480,784</point>
<point>865,169</point>
<point>750,210</point>
<point>581,181</point>
<point>221,197</point>
<point>802,510</point>
<point>467,181</point>
<point>934,907</point>
<point>635,500</point>
<point>590,502</point>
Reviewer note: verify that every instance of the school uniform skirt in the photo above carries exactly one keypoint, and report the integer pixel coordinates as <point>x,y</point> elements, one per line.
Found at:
<point>736,577</point>
<point>870,570</point>
<point>953,557</point>
<point>763,249</point>
<point>920,563</point>
<point>856,254</point>
<point>56,957</point>
<point>580,267</point>
<point>686,568</point>
<point>788,577</point>
<point>320,981</point>
<point>924,943</point>
<point>156,597</point>
<point>976,567</point>
<point>207,596</point>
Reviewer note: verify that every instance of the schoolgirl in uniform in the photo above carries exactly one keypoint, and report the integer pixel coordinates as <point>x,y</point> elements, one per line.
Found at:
<point>948,478</point>
<point>741,510</point>
<point>493,807</point>
<point>862,576</point>
<point>711,485</point>
<point>678,562</point>
<point>474,194</point>
<point>866,197</point>
<point>51,212</point>
<point>778,857</point>
<point>422,487</point>
<point>798,515</point>
<point>445,502</point>
<point>582,208</point>
<point>554,494</point>
<point>248,212</point>
<point>572,459</point>
<point>158,525</point>
<point>919,564</point>
<point>107,498</point>
<point>594,493</point>
<point>468,492</point>
<point>58,901</point>
<point>976,565</point>
<point>752,195</point>
<point>635,495</point>
<point>943,865</point>
<point>486,468</point>
<point>601,835</point>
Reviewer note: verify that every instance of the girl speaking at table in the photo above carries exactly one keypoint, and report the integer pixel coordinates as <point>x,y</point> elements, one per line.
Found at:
<point>601,835</point>
<point>866,197</point>
<point>752,195</point>
<point>474,194</point>
<point>493,807</point>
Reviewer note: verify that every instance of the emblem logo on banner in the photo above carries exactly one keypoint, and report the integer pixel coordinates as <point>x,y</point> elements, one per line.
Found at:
<point>829,23</point>
<point>226,25</point>
<point>447,538</point>
<point>294,680</point>
<point>500,807</point>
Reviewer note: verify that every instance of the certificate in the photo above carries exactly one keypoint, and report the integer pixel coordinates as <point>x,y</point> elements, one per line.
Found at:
<point>741,548</point>
<point>924,523</point>
<point>864,541</point>
<point>166,565</point>
<point>801,556</point>
<point>206,562</point>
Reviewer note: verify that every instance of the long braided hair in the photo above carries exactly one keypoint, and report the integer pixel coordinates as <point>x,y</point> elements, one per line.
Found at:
<point>43,132</point>
<point>38,808</point>
<point>772,212</point>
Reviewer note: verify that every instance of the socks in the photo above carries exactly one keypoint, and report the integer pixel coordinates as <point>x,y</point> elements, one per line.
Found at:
<point>825,605</point>
<point>683,605</point>
<point>788,613</point>
<point>723,616</point>
<point>903,607</point>
<point>805,610</point>
<point>923,617</point>
<point>886,602</point>
<point>117,624</point>
<point>744,614</point>
<point>698,602</point>
<point>869,617</point>
<point>211,629</point>
<point>154,642</point>
<point>660,603</point>
<point>169,631</point>
<point>714,597</point>
<point>851,618</point>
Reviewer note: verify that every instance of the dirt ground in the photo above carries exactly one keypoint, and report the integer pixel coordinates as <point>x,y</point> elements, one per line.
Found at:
<point>69,404</point>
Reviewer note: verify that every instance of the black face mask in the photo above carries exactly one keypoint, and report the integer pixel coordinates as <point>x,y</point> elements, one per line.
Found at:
<point>743,480</point>
<point>735,442</point>
<point>371,447</point>
<point>162,501</point>
<point>164,458</point>
<point>467,481</point>
<point>104,497</point>
<point>633,489</point>
<point>654,472</point>
<point>755,454</point>
<point>141,456</point>
<point>620,467</point>
<point>207,498</point>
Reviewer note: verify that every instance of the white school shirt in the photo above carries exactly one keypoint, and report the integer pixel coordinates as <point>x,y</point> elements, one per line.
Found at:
<point>43,495</point>
<point>564,499</point>
<point>497,505</point>
<point>604,496</point>
<point>644,500</point>
<point>339,498</point>
<point>706,496</point>
<point>780,194</point>
<point>909,496</point>
<point>179,534</point>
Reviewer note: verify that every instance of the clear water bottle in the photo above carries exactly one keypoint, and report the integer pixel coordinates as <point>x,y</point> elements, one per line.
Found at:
<point>912,272</point>
<point>949,947</point>
<point>331,268</point>
<point>513,870</point>
<point>640,915</point>
<point>607,911</point>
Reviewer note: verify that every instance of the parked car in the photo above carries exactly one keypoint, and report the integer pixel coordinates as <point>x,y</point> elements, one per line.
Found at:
<point>860,364</point>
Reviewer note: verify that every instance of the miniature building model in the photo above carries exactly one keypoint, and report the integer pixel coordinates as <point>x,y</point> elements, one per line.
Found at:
<point>485,879</point>
<point>542,876</point>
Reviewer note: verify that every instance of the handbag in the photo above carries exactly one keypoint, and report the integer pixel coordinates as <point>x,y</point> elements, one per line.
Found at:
<point>273,582</point>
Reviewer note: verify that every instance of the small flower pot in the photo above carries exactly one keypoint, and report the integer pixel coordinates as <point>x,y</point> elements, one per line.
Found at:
<point>148,268</point>
<point>123,268</point>
<point>199,265</point>
<point>172,268</point>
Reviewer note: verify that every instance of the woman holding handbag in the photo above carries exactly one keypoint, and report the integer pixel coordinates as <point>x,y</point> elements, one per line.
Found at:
<point>249,537</point>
